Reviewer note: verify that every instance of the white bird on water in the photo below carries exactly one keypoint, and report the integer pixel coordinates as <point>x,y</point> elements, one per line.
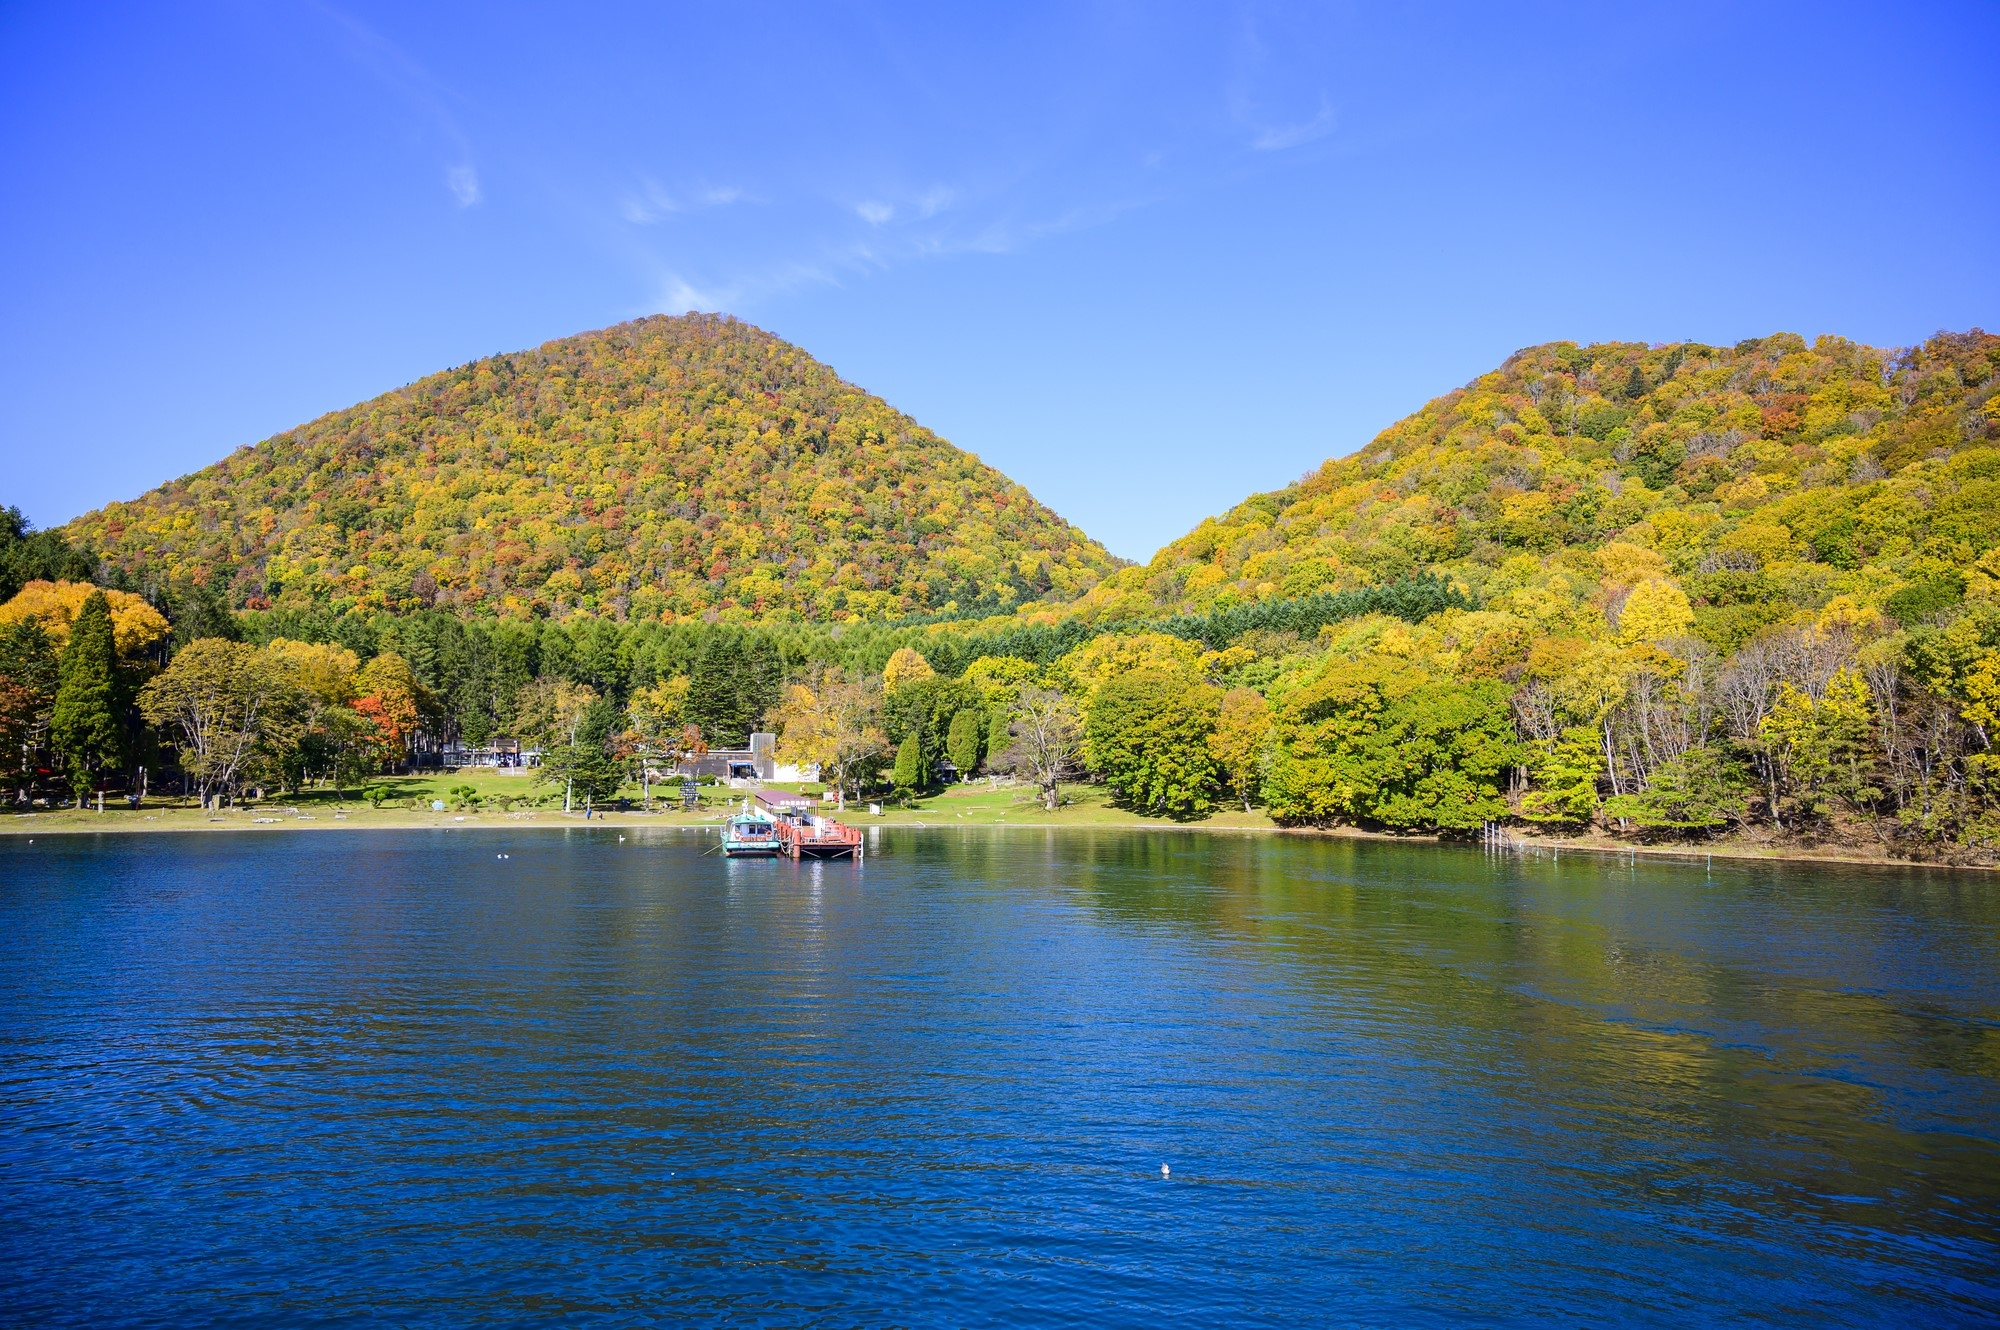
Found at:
<point>1165,1171</point>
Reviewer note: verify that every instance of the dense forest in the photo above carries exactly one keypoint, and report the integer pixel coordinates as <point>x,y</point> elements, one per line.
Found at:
<point>1699,454</point>
<point>666,468</point>
<point>1667,592</point>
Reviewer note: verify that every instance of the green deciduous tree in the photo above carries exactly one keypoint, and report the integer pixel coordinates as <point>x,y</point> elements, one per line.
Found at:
<point>1565,771</point>
<point>1046,734</point>
<point>550,714</point>
<point>217,700</point>
<point>1823,748</point>
<point>1241,743</point>
<point>1702,790</point>
<point>1147,734</point>
<point>1377,741</point>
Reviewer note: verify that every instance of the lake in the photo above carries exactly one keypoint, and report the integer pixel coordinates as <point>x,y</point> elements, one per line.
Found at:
<point>389,1078</point>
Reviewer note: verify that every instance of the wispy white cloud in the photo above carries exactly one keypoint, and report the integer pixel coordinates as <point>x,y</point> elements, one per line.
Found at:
<point>1276,138</point>
<point>880,212</point>
<point>463,182</point>
<point>678,295</point>
<point>681,296</point>
<point>653,203</point>
<point>1011,234</point>
<point>421,91</point>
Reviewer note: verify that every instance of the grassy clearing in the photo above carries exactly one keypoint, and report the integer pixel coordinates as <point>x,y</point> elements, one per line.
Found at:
<point>410,799</point>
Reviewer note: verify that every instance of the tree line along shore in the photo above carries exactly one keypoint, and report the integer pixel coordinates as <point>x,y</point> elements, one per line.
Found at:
<point>108,693</point>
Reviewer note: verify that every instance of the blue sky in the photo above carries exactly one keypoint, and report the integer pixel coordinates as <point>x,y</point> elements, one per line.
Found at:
<point>1146,259</point>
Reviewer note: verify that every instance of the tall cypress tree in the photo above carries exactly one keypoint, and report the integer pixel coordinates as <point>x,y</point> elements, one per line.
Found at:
<point>84,726</point>
<point>908,773</point>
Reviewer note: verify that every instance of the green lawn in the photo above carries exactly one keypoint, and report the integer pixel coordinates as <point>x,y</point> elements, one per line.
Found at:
<point>979,803</point>
<point>982,804</point>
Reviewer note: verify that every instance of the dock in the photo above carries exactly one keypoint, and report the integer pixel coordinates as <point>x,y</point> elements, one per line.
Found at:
<point>819,838</point>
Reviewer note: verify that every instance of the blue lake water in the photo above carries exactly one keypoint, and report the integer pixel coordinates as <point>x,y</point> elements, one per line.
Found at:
<point>371,1078</point>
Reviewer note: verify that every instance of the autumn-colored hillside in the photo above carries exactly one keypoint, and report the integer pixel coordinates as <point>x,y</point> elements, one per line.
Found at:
<point>669,467</point>
<point>1769,479</point>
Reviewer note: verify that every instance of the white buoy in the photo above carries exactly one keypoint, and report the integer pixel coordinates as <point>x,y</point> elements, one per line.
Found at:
<point>1165,1171</point>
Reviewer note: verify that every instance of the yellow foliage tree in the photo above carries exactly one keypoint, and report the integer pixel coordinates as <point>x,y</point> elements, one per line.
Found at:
<point>135,625</point>
<point>999,677</point>
<point>905,666</point>
<point>322,669</point>
<point>1242,737</point>
<point>835,727</point>
<point>1083,671</point>
<point>1655,611</point>
<point>658,727</point>
<point>1982,692</point>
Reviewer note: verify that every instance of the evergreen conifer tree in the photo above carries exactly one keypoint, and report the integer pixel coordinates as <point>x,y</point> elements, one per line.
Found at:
<point>908,772</point>
<point>999,736</point>
<point>715,700</point>
<point>597,769</point>
<point>85,724</point>
<point>965,740</point>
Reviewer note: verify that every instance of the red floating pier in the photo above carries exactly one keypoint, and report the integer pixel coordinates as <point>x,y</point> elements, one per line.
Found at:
<point>818,838</point>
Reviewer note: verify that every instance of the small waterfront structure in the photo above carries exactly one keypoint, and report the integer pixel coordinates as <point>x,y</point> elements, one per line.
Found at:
<point>757,762</point>
<point>782,803</point>
<point>503,755</point>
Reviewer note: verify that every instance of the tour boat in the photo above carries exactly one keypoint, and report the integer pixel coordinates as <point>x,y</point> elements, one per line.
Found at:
<point>750,834</point>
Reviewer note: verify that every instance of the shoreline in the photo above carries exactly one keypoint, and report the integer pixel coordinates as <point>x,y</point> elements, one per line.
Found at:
<point>123,822</point>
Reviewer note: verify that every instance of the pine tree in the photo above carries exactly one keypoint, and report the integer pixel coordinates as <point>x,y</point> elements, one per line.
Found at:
<point>597,769</point>
<point>716,701</point>
<point>84,726</point>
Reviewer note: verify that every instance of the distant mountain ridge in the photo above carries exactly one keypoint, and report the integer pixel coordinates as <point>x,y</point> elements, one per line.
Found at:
<point>690,466</point>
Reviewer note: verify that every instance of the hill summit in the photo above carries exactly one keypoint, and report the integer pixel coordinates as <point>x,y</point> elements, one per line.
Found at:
<point>667,467</point>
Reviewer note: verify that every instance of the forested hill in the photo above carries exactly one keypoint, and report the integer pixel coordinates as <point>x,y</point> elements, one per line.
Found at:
<point>1769,478</point>
<point>669,467</point>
